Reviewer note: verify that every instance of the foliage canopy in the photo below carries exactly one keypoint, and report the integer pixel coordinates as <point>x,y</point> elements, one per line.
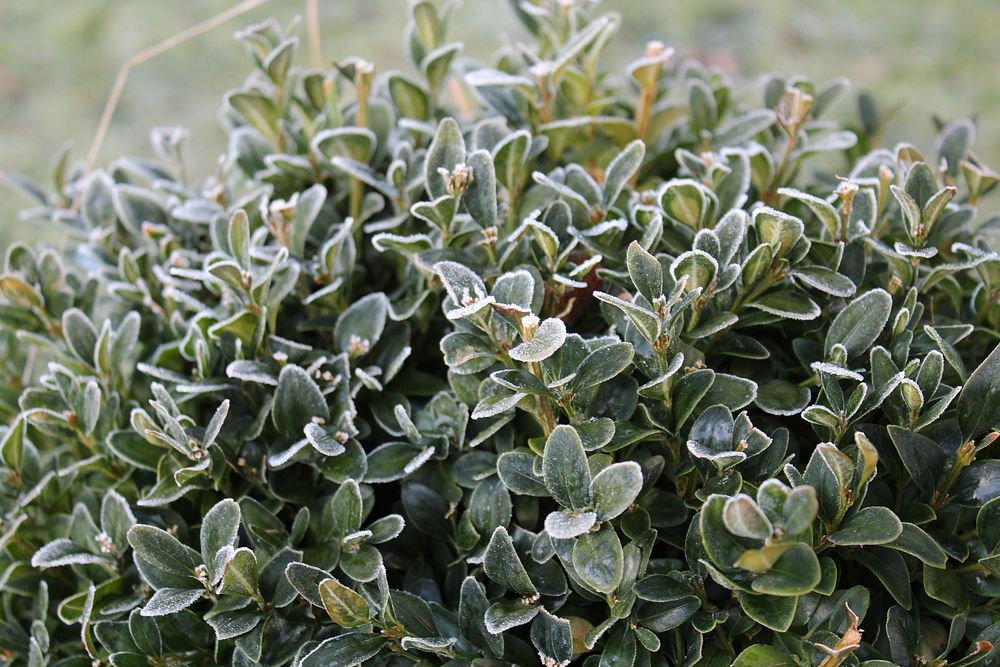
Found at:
<point>507,363</point>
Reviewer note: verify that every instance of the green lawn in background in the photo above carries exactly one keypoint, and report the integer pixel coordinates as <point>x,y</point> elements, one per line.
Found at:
<point>59,57</point>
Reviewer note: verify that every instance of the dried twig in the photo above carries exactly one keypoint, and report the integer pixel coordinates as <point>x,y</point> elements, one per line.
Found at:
<point>312,20</point>
<point>152,52</point>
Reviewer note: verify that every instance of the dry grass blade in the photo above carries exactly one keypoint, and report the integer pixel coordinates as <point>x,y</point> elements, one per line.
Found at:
<point>150,53</point>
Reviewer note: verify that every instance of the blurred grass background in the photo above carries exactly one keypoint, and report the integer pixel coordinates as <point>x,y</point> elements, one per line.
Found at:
<point>58,59</point>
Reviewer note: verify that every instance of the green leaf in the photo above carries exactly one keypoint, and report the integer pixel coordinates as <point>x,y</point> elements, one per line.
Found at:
<point>219,529</point>
<point>790,303</point>
<point>362,565</point>
<point>12,444</point>
<point>552,637</point>
<point>697,266</point>
<point>306,580</point>
<point>546,340</point>
<point>978,483</point>
<point>466,353</point>
<point>168,601</point>
<point>644,319</point>
<point>944,586</point>
<point>307,210</point>
<point>257,110</point>
<point>565,525</point>
<point>602,364</point>
<point>163,550</point>
<point>446,150</point>
<point>520,380</point>
<point>345,650</point>
<point>231,624</point>
<point>778,229</point>
<point>830,472</point>
<point>297,400</point>
<point>365,174</point>
<point>322,442</point>
<point>782,398</point>
<point>437,63</point>
<point>921,184</point>
<point>565,469</point>
<point>491,406</point>
<point>684,201</point>
<point>871,525</point>
<point>135,206</point>
<point>704,113</point>
<point>743,517</point>
<point>345,607</point>
<point>516,469</point>
<point>490,505</point>
<point>757,264</point>
<point>825,280</point>
<point>890,569</point>
<point>360,327</point>
<point>776,613</point>
<point>510,157</point>
<point>466,289</point>
<point>621,648</point>
<point>720,545</point>
<point>759,655</point>
<point>65,552</point>
<point>730,391</point>
<point>977,404</point>
<point>645,270</point>
<point>665,615</point>
<point>507,614</point>
<point>239,574</point>
<point>688,392</point>
<point>800,509</point>
<point>598,559</point>
<point>408,96</point>
<point>660,588</point>
<point>614,489</point>
<point>347,507</point>
<point>481,195</point>
<point>279,60</point>
<point>116,519</point>
<point>503,565</point>
<point>796,572</point>
<point>621,169</point>
<point>387,528</point>
<point>472,607</point>
<point>914,541</point>
<point>80,334</point>
<point>353,145</point>
<point>711,438</point>
<point>516,289</point>
<point>145,634</point>
<point>860,323</point>
<point>988,524</point>
<point>821,208</point>
<point>922,458</point>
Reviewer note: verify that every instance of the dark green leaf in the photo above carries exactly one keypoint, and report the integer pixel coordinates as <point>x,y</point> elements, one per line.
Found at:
<point>598,559</point>
<point>297,400</point>
<point>503,565</point>
<point>977,404</point>
<point>565,469</point>
<point>860,323</point>
<point>796,572</point>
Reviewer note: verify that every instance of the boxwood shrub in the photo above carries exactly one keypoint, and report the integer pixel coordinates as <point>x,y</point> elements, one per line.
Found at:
<point>509,363</point>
